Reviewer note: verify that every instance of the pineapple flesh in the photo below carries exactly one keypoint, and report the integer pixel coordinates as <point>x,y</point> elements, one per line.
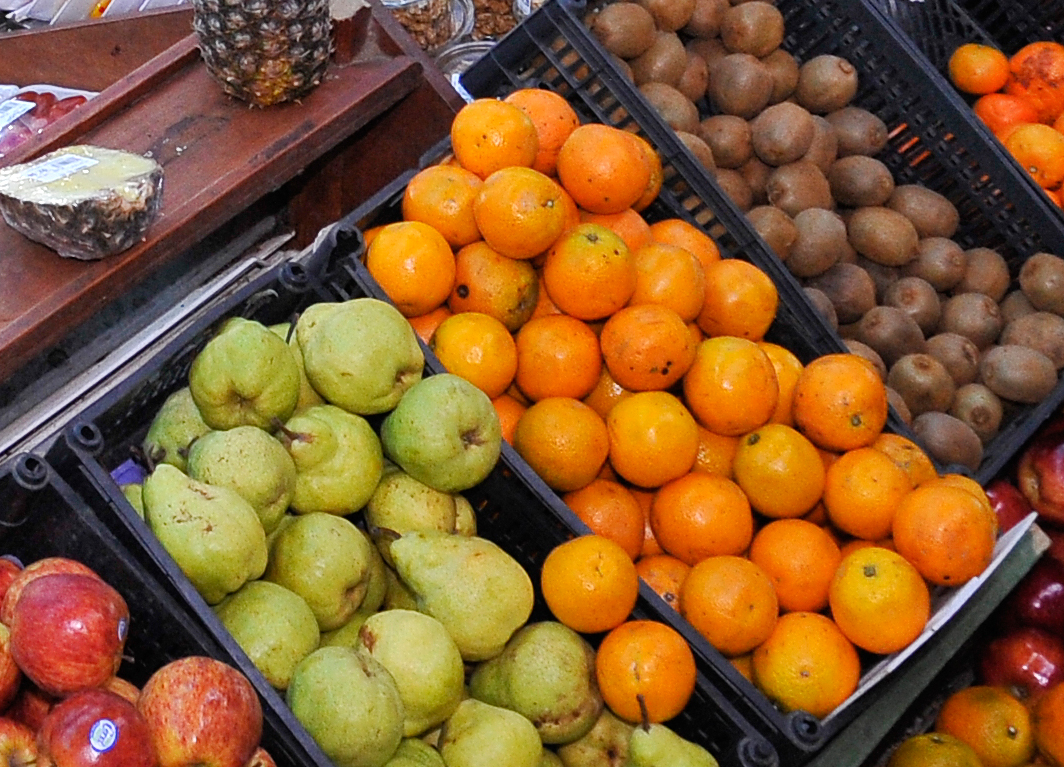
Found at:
<point>264,51</point>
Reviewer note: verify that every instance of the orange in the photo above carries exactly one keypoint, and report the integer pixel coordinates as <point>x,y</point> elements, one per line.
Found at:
<point>740,300</point>
<point>369,234</point>
<point>909,456</point>
<point>656,177</point>
<point>442,196</point>
<point>589,583</point>
<point>488,134</point>
<point>701,515</point>
<point>557,356</point>
<point>519,211</point>
<point>653,438</point>
<point>1001,111</point>
<point>606,393</point>
<point>1048,720</point>
<point>994,723</point>
<point>731,386</point>
<point>779,470</point>
<point>564,441</point>
<point>425,324</point>
<point>933,749</point>
<point>945,532</point>
<point>978,69</point>
<point>489,282</point>
<point>683,234</point>
<point>664,573</point>
<point>478,348</point>
<point>840,402</point>
<point>650,543</point>
<point>671,276</point>
<point>731,602</point>
<point>1040,150</point>
<point>413,264</point>
<point>554,119</point>
<point>610,510</point>
<point>787,367</point>
<point>964,483</point>
<point>744,664</point>
<point>716,453</point>
<point>509,411</point>
<point>544,304</point>
<point>862,490</point>
<point>629,225</point>
<point>648,661</point>
<point>1038,76</point>
<point>800,558</point>
<point>806,664</point>
<point>646,347</point>
<point>603,168</point>
<point>879,600</point>
<point>589,272</point>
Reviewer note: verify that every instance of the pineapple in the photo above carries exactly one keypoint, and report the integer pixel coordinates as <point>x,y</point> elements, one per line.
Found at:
<point>264,51</point>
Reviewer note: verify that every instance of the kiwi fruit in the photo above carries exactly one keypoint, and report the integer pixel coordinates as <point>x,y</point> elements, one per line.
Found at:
<point>895,401</point>
<point>986,272</point>
<point>826,83</point>
<point>784,69</point>
<point>948,440</point>
<point>883,235</point>
<point>1015,305</point>
<point>824,148</point>
<point>1042,331</point>
<point>699,148</point>
<point>1042,281</point>
<point>973,315</point>
<point>675,109</point>
<point>775,227</point>
<point>781,133</point>
<point>663,62</point>
<point>625,29</point>
<point>695,77</point>
<point>857,131</point>
<point>823,306</point>
<point>670,15</point>
<point>729,138</point>
<point>820,242</point>
<point>860,181</point>
<point>735,186</point>
<point>756,174</point>
<point>940,261</point>
<point>923,382</point>
<point>850,290</point>
<point>705,18</point>
<point>755,27</point>
<point>623,67</point>
<point>739,84</point>
<point>796,186</point>
<point>868,353</point>
<point>1018,373</point>
<point>958,353</point>
<point>932,213</point>
<point>980,408</point>
<point>891,332</point>
<point>916,298</point>
<point>883,276</point>
<point>710,50</point>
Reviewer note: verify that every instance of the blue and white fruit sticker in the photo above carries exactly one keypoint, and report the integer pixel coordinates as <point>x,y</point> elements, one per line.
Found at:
<point>103,735</point>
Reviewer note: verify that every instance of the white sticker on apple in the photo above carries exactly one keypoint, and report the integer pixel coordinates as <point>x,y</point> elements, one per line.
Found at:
<point>123,627</point>
<point>103,735</point>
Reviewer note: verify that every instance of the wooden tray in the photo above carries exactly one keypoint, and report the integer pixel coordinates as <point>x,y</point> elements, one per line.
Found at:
<point>219,157</point>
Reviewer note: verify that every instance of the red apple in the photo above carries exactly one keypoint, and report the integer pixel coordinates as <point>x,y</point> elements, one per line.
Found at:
<point>1010,505</point>
<point>120,686</point>
<point>18,743</point>
<point>1038,599</point>
<point>68,632</point>
<point>31,705</point>
<point>1027,660</point>
<point>9,568</point>
<point>261,758</point>
<point>95,728</point>
<point>1056,542</point>
<point>1040,473</point>
<point>201,712</point>
<point>33,570</point>
<point>10,673</point>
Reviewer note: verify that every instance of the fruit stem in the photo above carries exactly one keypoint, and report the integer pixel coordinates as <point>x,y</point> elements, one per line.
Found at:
<point>644,714</point>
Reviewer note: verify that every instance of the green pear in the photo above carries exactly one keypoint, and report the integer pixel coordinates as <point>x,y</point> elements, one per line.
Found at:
<point>338,459</point>
<point>282,523</point>
<point>134,493</point>
<point>478,734</point>
<point>252,462</point>
<point>604,745</point>
<point>349,704</point>
<point>415,753</point>
<point>424,662</point>
<point>213,534</point>
<point>244,375</point>
<point>307,394</point>
<point>376,588</point>
<point>398,595</point>
<point>655,745</point>
<point>471,585</point>
<point>274,626</point>
<point>546,672</point>
<point>176,424</point>
<point>444,432</point>
<point>465,516</point>
<point>361,354</point>
<point>401,503</point>
<point>327,561</point>
<point>550,759</point>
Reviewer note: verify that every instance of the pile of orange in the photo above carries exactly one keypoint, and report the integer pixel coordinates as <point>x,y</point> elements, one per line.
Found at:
<point>1021,99</point>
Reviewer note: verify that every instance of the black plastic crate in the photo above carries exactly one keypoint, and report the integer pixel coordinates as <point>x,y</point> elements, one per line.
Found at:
<point>514,508</point>
<point>43,517</point>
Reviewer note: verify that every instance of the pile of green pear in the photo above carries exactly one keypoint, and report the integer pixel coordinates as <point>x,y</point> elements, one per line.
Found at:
<point>344,558</point>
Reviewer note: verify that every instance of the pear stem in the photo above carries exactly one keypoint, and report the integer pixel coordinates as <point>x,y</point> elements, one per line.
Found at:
<point>643,713</point>
<point>278,424</point>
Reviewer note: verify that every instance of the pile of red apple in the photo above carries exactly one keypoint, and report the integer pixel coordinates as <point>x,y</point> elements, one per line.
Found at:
<point>63,633</point>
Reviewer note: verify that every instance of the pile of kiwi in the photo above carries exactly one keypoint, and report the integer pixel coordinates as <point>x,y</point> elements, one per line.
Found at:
<point>961,343</point>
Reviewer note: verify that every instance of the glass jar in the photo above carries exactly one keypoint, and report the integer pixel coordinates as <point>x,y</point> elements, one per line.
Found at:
<point>456,58</point>
<point>433,23</point>
<point>522,9</point>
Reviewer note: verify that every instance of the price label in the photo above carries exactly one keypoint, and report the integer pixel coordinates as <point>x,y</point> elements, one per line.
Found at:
<point>58,167</point>
<point>12,109</point>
